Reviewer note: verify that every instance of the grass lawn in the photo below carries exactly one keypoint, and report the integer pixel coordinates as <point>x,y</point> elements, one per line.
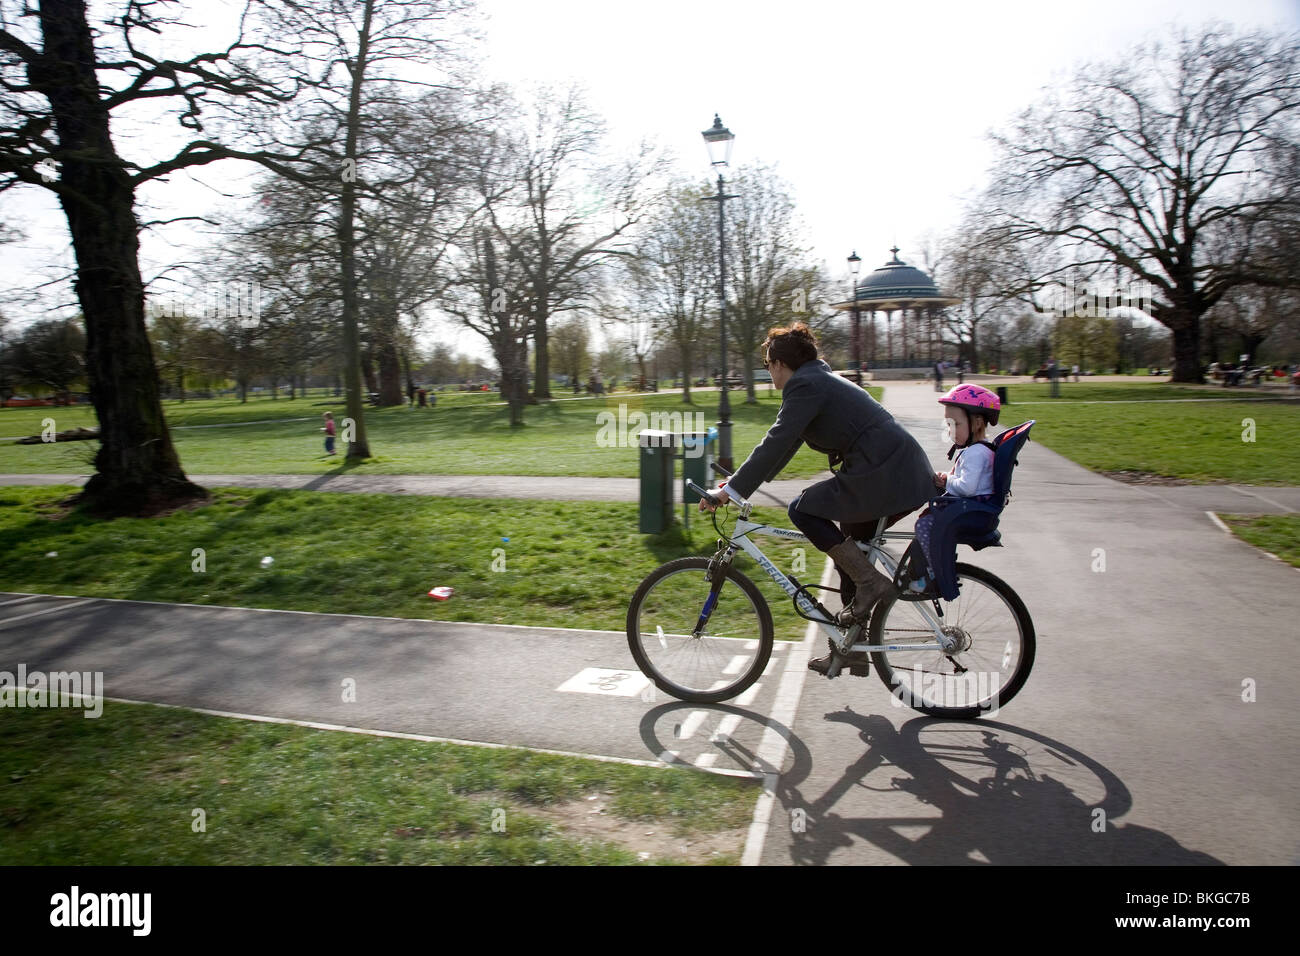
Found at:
<point>1144,428</point>
<point>567,565</point>
<point>1279,534</point>
<point>463,435</point>
<point>122,790</point>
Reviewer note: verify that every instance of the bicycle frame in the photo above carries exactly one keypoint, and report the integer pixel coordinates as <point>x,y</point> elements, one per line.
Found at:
<point>844,640</point>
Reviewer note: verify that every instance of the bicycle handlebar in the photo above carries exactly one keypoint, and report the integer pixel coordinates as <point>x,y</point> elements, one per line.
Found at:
<point>706,493</point>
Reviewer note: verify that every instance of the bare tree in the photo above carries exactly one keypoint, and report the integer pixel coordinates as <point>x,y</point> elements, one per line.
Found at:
<point>675,273</point>
<point>488,295</point>
<point>1250,316</point>
<point>567,211</point>
<point>350,49</point>
<point>1163,165</point>
<point>988,269</point>
<point>767,277</point>
<point>57,95</point>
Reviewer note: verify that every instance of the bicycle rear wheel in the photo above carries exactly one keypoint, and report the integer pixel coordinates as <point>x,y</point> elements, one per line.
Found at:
<point>698,640</point>
<point>996,648</point>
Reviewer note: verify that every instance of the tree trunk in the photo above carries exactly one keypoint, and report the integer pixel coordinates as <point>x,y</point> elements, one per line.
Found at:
<point>1187,360</point>
<point>359,446</point>
<point>137,470</point>
<point>514,377</point>
<point>390,374</point>
<point>406,370</point>
<point>542,383</point>
<point>368,374</point>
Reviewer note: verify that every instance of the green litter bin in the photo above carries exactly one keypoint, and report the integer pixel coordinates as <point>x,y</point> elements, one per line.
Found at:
<point>658,449</point>
<point>698,449</point>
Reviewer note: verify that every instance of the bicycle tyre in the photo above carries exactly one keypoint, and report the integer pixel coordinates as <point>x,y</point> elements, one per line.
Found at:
<point>987,614</point>
<point>663,614</point>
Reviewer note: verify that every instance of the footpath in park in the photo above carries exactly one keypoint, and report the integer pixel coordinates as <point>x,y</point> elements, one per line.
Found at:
<point>1150,621</point>
<point>1226,498</point>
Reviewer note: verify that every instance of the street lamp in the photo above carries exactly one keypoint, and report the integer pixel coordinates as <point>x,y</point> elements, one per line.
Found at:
<point>719,141</point>
<point>855,265</point>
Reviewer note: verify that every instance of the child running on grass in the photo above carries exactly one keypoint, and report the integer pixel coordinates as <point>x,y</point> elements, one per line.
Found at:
<point>329,433</point>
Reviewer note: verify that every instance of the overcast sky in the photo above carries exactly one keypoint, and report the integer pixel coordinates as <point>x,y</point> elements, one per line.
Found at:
<point>876,113</point>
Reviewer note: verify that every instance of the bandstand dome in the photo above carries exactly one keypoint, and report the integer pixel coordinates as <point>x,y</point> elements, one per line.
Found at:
<point>896,285</point>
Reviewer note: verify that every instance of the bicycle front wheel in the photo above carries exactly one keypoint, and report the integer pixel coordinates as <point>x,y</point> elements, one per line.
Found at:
<point>995,648</point>
<point>698,640</point>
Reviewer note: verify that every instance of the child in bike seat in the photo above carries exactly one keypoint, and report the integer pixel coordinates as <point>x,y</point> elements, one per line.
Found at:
<point>970,410</point>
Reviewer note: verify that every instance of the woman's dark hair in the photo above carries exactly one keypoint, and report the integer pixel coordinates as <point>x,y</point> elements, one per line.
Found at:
<point>791,347</point>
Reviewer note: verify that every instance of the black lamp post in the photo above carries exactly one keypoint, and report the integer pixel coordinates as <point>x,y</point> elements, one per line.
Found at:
<point>719,140</point>
<point>855,265</point>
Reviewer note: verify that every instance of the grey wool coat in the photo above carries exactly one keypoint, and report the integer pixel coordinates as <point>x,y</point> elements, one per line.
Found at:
<point>884,470</point>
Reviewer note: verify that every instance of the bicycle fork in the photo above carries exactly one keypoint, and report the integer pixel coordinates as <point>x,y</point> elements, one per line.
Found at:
<point>717,577</point>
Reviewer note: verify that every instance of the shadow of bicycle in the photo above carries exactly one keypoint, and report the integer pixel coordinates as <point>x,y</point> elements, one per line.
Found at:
<point>992,792</point>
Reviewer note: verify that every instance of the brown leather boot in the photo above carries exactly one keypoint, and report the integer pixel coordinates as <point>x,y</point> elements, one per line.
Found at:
<point>871,584</point>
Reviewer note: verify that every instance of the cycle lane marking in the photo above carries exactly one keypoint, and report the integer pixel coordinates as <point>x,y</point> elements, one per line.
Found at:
<point>606,681</point>
<point>772,748</point>
<point>686,729</point>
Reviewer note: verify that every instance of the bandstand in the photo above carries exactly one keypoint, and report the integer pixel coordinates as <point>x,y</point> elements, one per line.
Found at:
<point>897,289</point>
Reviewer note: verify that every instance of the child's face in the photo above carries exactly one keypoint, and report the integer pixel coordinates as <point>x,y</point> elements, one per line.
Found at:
<point>956,424</point>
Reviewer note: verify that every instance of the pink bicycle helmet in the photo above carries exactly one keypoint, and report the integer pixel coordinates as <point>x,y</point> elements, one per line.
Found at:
<point>974,398</point>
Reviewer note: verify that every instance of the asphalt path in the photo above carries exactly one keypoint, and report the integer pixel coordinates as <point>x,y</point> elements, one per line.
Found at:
<point>1154,728</point>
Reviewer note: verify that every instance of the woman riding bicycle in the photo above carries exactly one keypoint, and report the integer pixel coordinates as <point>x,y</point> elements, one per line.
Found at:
<point>883,471</point>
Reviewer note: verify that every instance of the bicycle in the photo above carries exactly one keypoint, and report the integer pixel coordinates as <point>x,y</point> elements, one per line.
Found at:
<point>975,657</point>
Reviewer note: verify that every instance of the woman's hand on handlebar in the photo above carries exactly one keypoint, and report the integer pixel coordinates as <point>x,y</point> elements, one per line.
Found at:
<point>720,497</point>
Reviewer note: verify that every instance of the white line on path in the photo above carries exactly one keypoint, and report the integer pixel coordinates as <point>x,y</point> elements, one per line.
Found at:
<point>49,610</point>
<point>726,727</point>
<point>1255,494</point>
<point>365,617</point>
<point>1222,527</point>
<point>1226,530</point>
<point>772,749</point>
<point>691,724</point>
<point>422,738</point>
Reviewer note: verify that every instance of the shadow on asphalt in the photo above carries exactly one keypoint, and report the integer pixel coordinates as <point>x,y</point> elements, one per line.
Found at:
<point>992,791</point>
<point>742,755</point>
<point>320,481</point>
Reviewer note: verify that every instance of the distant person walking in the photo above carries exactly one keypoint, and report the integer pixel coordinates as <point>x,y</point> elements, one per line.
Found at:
<point>329,433</point>
<point>938,376</point>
